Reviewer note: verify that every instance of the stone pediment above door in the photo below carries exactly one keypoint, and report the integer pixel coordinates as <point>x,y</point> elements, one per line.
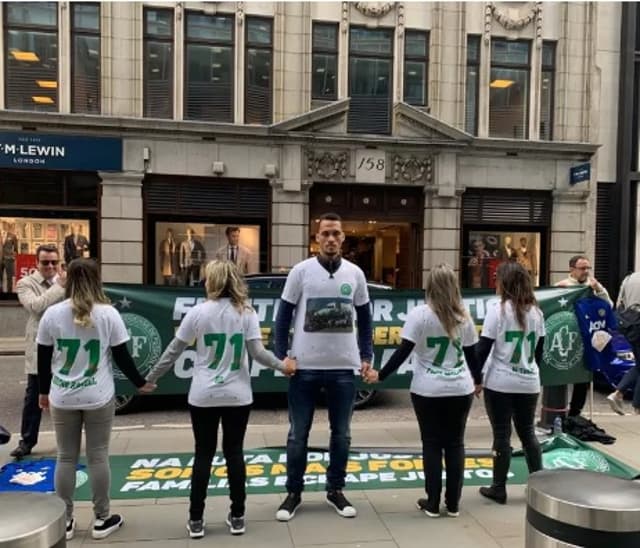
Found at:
<point>410,121</point>
<point>330,118</point>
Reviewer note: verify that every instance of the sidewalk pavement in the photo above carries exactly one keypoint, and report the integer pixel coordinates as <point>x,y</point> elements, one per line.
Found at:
<point>11,346</point>
<point>386,518</point>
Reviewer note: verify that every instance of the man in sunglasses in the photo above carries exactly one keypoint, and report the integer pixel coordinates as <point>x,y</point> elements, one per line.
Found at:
<point>36,293</point>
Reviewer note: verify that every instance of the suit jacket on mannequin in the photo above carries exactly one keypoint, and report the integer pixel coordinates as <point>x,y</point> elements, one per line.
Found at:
<point>243,256</point>
<point>74,247</point>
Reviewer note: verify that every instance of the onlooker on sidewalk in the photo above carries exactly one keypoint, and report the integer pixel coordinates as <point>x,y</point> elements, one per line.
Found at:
<point>224,327</point>
<point>629,296</point>
<point>324,290</point>
<point>77,339</point>
<point>580,274</point>
<point>36,293</point>
<point>442,334</point>
<point>511,344</point>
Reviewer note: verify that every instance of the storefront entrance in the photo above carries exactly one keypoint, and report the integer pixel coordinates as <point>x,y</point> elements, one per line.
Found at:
<point>382,228</point>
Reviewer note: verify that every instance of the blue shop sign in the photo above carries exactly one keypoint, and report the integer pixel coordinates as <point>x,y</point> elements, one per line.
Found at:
<point>580,173</point>
<point>73,152</point>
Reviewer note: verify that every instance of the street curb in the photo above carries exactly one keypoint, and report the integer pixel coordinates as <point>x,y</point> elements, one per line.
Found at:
<point>11,352</point>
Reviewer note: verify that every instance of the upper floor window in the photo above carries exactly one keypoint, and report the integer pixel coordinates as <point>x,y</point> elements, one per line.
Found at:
<point>509,89</point>
<point>85,55</point>
<point>416,67</point>
<point>324,70</point>
<point>472,84</point>
<point>259,73</point>
<point>31,55</point>
<point>547,88</point>
<point>209,62</point>
<point>158,63</point>
<point>370,79</point>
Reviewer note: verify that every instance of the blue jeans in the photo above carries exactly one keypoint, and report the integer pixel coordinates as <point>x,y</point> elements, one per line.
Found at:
<point>630,379</point>
<point>304,387</point>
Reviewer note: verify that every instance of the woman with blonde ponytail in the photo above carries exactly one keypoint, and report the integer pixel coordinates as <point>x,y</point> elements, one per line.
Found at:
<point>77,341</point>
<point>225,328</point>
<point>442,336</point>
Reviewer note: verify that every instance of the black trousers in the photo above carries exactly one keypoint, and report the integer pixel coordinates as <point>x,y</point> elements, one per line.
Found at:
<point>442,424</point>
<point>31,413</point>
<point>204,421</point>
<point>578,398</point>
<point>502,408</point>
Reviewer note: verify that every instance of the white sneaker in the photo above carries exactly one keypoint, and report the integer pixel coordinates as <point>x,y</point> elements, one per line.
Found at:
<point>102,528</point>
<point>616,403</point>
<point>71,528</point>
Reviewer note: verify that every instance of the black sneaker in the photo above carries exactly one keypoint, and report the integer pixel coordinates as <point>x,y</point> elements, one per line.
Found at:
<point>494,493</point>
<point>21,451</point>
<point>337,499</point>
<point>236,524</point>
<point>288,508</point>
<point>71,528</point>
<point>195,528</point>
<point>102,528</point>
<point>431,510</point>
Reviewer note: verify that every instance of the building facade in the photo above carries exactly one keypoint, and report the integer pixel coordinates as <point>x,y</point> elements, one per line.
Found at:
<point>445,131</point>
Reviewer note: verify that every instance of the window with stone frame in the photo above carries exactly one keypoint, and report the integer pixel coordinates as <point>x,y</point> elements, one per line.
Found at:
<point>158,63</point>
<point>547,90</point>
<point>259,71</point>
<point>472,86</point>
<point>416,67</point>
<point>324,63</point>
<point>31,55</point>
<point>85,57</point>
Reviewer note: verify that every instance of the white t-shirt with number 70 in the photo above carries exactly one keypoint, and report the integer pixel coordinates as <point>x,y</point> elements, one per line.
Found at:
<point>82,363</point>
<point>511,366</point>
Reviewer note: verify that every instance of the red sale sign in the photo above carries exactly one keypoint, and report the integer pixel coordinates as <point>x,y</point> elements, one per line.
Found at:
<point>25,264</point>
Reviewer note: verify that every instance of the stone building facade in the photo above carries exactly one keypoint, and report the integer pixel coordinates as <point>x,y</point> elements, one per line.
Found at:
<point>440,131</point>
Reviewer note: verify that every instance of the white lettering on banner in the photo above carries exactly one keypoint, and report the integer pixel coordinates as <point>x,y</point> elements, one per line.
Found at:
<point>262,308</point>
<point>382,309</point>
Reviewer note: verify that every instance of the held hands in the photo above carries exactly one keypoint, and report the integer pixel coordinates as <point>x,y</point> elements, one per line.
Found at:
<point>147,388</point>
<point>43,402</point>
<point>290,366</point>
<point>371,376</point>
<point>477,390</point>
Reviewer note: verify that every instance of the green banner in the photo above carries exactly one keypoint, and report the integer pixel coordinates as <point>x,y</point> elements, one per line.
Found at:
<point>152,314</point>
<point>169,475</point>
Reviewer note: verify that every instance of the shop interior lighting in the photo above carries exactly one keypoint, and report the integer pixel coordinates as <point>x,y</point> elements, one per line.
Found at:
<point>501,84</point>
<point>47,84</point>
<point>42,100</point>
<point>28,56</point>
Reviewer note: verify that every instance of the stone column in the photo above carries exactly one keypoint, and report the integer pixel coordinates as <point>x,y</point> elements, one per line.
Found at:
<point>121,227</point>
<point>289,226</point>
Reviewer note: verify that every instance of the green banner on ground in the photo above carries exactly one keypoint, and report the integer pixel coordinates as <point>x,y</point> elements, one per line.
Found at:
<point>169,475</point>
<point>152,315</point>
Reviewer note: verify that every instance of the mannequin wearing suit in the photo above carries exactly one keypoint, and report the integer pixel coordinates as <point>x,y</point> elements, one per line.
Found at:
<point>8,251</point>
<point>168,253</point>
<point>506,251</point>
<point>75,245</point>
<point>233,251</point>
<point>192,257</point>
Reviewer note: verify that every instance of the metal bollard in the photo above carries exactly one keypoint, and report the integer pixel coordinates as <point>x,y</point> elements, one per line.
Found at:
<point>32,520</point>
<point>571,508</point>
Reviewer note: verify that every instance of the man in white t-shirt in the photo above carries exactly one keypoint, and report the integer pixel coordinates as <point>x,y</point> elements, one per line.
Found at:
<point>325,291</point>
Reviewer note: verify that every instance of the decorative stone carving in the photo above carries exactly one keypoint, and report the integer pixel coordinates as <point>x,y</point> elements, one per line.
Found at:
<point>513,18</point>
<point>327,165</point>
<point>400,18</point>
<point>179,10</point>
<point>412,169</point>
<point>240,13</point>
<point>344,26</point>
<point>374,9</point>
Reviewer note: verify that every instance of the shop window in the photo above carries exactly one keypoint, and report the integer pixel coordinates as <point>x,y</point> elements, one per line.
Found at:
<point>21,236</point>
<point>324,70</point>
<point>485,250</point>
<point>158,63</point>
<point>209,67</point>
<point>416,67</point>
<point>547,88</point>
<point>509,89</point>
<point>370,80</point>
<point>85,54</point>
<point>259,72</point>
<point>472,85</point>
<point>31,58</point>
<point>185,248</point>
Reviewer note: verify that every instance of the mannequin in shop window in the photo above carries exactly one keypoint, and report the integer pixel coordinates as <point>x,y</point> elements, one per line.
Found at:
<point>506,251</point>
<point>168,253</point>
<point>478,265</point>
<point>75,244</point>
<point>233,251</point>
<point>526,256</point>
<point>192,257</point>
<point>8,251</point>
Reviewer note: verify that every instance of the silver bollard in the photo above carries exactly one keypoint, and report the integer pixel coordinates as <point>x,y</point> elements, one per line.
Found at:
<point>570,508</point>
<point>32,520</point>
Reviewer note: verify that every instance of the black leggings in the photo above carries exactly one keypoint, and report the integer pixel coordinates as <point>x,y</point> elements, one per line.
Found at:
<point>502,407</point>
<point>204,421</point>
<point>442,423</point>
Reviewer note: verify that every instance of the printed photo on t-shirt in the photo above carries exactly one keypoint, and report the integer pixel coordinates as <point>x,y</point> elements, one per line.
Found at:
<point>329,315</point>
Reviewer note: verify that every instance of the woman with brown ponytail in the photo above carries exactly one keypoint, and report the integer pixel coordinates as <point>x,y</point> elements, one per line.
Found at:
<point>77,341</point>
